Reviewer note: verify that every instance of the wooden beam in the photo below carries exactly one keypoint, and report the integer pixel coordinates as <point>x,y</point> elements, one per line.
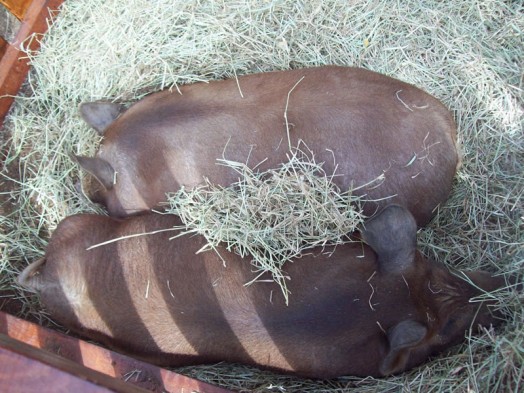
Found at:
<point>17,7</point>
<point>13,65</point>
<point>3,47</point>
<point>27,369</point>
<point>141,374</point>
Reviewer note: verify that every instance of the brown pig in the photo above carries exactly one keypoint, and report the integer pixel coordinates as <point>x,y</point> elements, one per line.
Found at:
<point>366,123</point>
<point>364,310</point>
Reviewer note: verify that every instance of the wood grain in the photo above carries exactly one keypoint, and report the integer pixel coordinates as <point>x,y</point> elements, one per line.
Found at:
<point>14,66</point>
<point>17,7</point>
<point>112,364</point>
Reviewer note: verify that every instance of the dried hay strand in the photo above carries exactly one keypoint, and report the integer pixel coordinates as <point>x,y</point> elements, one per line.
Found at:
<point>469,54</point>
<point>272,216</point>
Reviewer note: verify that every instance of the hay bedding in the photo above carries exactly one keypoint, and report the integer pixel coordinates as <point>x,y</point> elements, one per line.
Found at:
<point>271,217</point>
<point>468,54</point>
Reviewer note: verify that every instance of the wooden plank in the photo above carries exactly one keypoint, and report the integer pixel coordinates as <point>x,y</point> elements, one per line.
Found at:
<point>28,369</point>
<point>3,47</point>
<point>17,7</point>
<point>9,25</point>
<point>116,365</point>
<point>20,374</point>
<point>13,65</point>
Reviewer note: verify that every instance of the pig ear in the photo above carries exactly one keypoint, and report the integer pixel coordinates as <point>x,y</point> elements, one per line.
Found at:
<point>100,115</point>
<point>29,278</point>
<point>392,234</point>
<point>402,338</point>
<point>99,168</point>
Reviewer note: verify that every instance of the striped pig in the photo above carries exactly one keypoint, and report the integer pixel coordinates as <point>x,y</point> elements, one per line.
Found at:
<point>375,309</point>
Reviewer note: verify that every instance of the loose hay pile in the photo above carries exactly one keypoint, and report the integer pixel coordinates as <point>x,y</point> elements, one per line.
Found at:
<point>272,216</point>
<point>469,54</point>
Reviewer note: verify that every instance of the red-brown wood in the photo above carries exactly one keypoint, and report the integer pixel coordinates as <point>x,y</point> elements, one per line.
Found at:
<point>24,368</point>
<point>17,7</point>
<point>96,358</point>
<point>13,65</point>
<point>3,47</point>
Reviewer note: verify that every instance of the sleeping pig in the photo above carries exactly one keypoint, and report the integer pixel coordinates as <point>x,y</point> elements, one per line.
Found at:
<point>366,124</point>
<point>363,310</point>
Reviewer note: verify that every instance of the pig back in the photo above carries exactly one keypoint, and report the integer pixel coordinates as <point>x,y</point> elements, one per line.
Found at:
<point>367,126</point>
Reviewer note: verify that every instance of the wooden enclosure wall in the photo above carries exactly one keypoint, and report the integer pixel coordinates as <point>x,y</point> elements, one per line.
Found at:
<point>17,7</point>
<point>34,15</point>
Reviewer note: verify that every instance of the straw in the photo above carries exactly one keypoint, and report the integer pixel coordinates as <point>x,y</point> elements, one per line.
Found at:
<point>271,217</point>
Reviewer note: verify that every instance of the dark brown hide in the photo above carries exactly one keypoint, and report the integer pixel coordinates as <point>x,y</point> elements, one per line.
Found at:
<point>349,313</point>
<point>367,123</point>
